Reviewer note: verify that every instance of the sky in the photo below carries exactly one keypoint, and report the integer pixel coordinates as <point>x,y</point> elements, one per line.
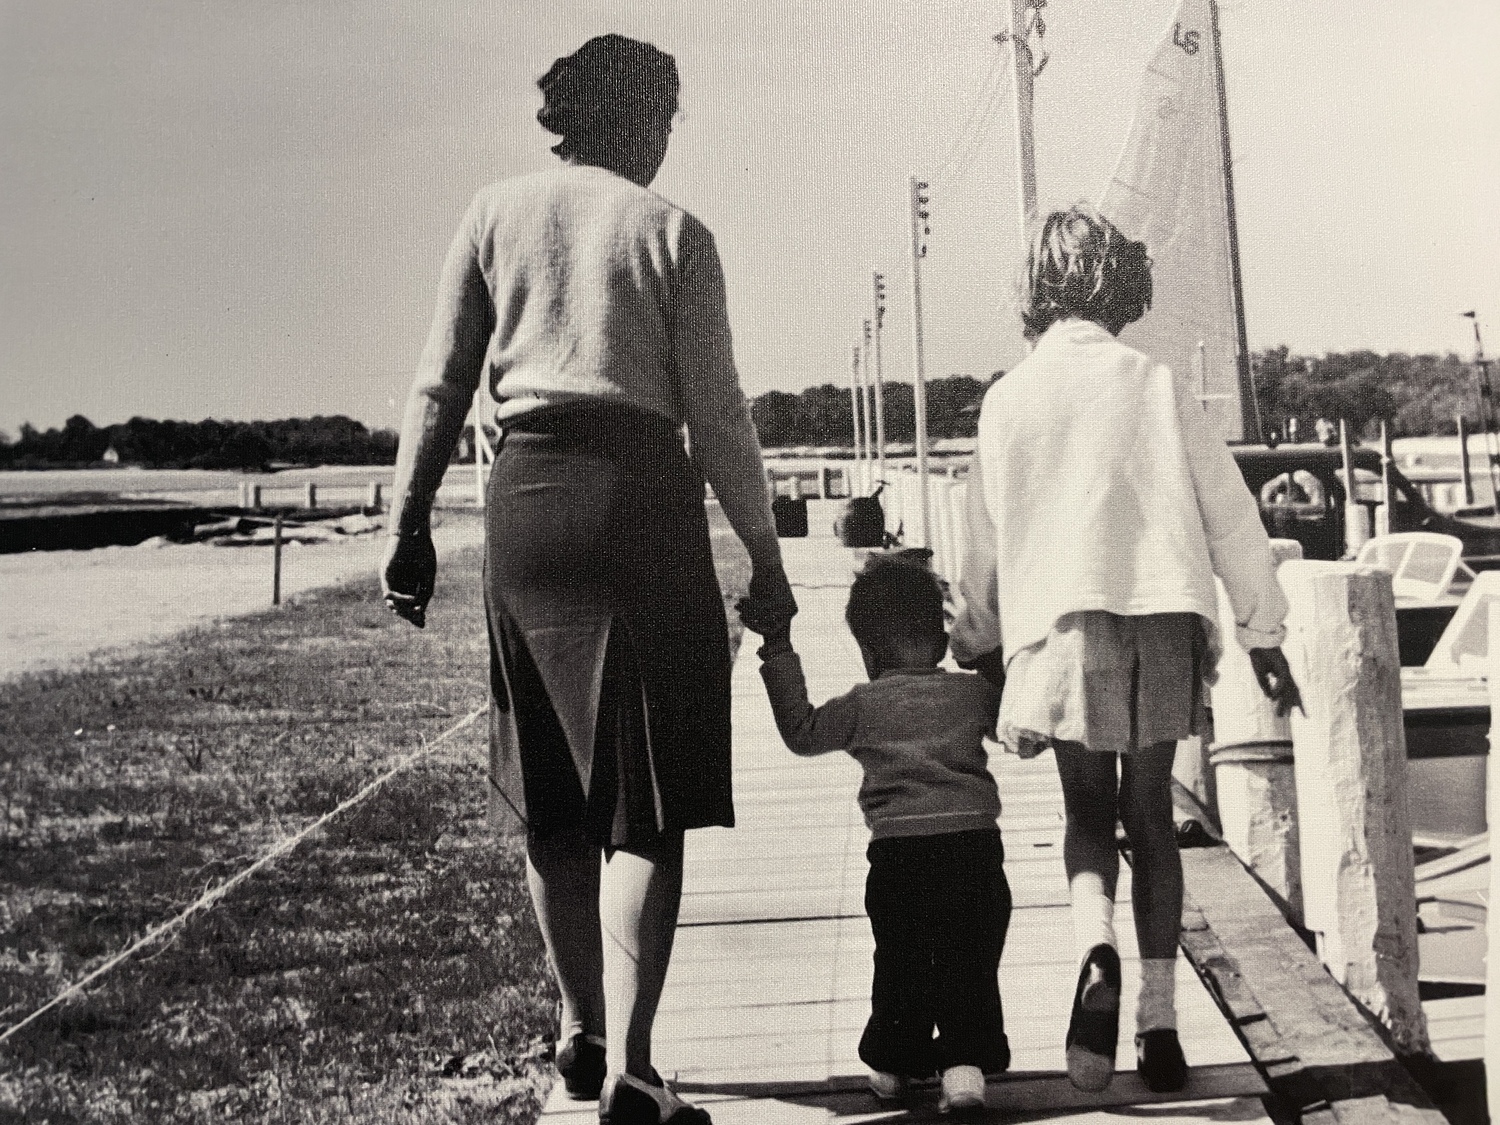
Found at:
<point>231,210</point>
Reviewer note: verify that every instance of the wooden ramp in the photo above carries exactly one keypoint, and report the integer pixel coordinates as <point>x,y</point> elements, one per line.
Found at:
<point>770,979</point>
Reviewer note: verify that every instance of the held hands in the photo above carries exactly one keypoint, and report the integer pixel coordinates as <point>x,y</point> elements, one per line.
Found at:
<point>1275,679</point>
<point>408,571</point>
<point>770,607</point>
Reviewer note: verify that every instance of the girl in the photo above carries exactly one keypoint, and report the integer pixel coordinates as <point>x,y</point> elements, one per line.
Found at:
<point>1100,508</point>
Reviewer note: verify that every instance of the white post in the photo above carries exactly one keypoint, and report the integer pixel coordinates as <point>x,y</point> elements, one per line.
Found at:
<point>919,232</point>
<point>1253,781</point>
<point>1356,515</point>
<point>1492,958</point>
<point>1351,776</point>
<point>867,378</point>
<point>879,294</point>
<point>1383,513</point>
<point>857,408</point>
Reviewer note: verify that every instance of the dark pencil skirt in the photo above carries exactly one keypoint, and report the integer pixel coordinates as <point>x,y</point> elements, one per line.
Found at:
<point>609,653</point>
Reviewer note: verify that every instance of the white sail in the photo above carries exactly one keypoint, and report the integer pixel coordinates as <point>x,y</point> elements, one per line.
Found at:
<point>1168,191</point>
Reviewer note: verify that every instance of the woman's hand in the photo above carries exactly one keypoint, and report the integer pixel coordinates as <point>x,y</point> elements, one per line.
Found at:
<point>770,607</point>
<point>1275,679</point>
<point>408,572</point>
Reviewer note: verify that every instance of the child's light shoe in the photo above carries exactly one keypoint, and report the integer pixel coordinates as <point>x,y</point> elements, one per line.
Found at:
<point>963,1089</point>
<point>886,1086</point>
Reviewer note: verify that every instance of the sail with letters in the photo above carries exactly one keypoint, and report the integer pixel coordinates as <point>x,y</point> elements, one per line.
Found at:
<point>1173,190</point>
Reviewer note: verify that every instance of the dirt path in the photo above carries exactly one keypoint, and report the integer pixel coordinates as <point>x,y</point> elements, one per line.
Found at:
<point>60,607</point>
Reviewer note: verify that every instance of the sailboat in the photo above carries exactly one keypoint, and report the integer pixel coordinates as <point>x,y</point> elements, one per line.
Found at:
<point>1173,189</point>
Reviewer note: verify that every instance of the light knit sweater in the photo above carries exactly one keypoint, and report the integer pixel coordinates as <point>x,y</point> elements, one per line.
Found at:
<point>918,734</point>
<point>1097,485</point>
<point>577,285</point>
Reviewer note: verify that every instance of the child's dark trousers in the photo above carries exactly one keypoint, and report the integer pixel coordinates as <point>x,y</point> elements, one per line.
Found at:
<point>939,906</point>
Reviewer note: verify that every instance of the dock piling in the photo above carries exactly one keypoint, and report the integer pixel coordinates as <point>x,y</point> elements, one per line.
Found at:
<point>1350,770</point>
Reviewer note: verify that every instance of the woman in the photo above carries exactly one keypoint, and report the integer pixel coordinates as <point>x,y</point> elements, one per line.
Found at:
<point>1100,509</point>
<point>596,311</point>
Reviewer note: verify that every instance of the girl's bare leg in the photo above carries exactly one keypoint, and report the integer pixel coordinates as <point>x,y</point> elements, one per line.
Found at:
<point>1146,811</point>
<point>1090,855</point>
<point>563,875</point>
<point>638,900</point>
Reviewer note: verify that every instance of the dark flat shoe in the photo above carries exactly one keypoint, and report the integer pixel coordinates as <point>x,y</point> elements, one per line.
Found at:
<point>1094,1027</point>
<point>626,1100</point>
<point>1159,1061</point>
<point>580,1062</point>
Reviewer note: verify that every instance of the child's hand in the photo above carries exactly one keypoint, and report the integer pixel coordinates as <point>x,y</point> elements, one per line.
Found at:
<point>1275,679</point>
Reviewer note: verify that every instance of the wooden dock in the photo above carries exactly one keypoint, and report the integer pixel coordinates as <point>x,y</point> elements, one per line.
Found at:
<point>769,985</point>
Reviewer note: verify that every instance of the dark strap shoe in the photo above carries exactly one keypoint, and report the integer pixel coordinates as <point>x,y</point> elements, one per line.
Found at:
<point>1094,1027</point>
<point>626,1100</point>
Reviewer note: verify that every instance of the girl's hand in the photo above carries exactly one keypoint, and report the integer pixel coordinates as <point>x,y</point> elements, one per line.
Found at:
<point>1275,679</point>
<point>771,625</point>
<point>408,572</point>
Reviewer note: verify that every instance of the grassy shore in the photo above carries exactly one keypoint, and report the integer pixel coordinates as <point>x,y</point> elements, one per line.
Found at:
<point>388,969</point>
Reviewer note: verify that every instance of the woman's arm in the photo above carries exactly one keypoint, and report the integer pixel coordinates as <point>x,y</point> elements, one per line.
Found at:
<point>722,436</point>
<point>447,376</point>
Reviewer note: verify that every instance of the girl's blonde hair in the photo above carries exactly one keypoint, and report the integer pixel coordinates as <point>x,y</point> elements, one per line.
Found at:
<point>1080,265</point>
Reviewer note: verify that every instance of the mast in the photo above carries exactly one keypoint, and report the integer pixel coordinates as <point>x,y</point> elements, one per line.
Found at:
<point>1022,15</point>
<point>1249,405</point>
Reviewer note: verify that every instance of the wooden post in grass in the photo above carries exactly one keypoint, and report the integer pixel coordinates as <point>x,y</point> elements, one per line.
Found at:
<point>276,563</point>
<point>372,497</point>
<point>1251,756</point>
<point>1492,958</point>
<point>1358,884</point>
<point>255,497</point>
<point>310,500</point>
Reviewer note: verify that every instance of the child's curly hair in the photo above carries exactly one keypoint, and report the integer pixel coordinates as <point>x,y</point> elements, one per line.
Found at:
<point>895,597</point>
<point>1080,265</point>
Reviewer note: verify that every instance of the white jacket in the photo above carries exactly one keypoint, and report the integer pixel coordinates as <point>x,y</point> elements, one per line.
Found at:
<point>1097,485</point>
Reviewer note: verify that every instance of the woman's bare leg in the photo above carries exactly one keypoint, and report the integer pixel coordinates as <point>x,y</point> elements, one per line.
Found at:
<point>563,875</point>
<point>638,901</point>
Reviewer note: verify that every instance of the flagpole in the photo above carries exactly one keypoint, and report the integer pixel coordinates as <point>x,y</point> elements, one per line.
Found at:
<point>1250,424</point>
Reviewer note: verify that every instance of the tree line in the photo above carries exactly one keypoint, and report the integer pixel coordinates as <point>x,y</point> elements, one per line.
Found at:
<point>209,444</point>
<point>1417,395</point>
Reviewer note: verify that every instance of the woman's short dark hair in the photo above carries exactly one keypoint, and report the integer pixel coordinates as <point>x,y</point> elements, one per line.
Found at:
<point>895,598</point>
<point>609,83</point>
<point>1080,265</point>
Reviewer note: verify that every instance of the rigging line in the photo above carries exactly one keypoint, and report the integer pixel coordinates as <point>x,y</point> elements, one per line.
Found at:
<point>960,138</point>
<point>956,174</point>
<point>214,894</point>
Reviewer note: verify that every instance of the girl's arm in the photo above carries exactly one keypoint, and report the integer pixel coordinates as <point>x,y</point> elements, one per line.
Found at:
<point>1237,543</point>
<point>976,630</point>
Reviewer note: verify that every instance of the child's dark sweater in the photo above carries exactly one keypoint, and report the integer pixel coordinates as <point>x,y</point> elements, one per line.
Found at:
<point>918,733</point>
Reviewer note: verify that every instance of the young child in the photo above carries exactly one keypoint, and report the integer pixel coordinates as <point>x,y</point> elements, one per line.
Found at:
<point>1100,507</point>
<point>937,896</point>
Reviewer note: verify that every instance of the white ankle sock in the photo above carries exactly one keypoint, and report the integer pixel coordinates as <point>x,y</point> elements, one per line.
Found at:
<point>1093,914</point>
<point>1157,1007</point>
